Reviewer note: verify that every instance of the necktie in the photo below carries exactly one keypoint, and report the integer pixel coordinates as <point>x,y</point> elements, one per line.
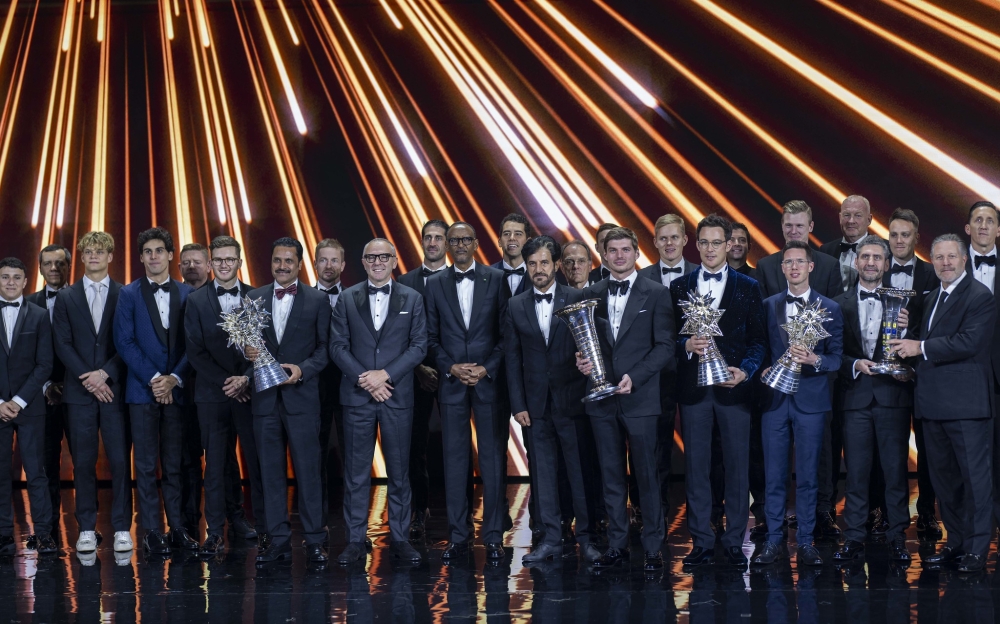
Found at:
<point>234,291</point>
<point>12,304</point>
<point>898,268</point>
<point>848,247</point>
<point>425,272</point>
<point>942,298</point>
<point>165,287</point>
<point>374,291</point>
<point>990,260</point>
<point>864,294</point>
<point>547,297</point>
<point>798,300</point>
<point>517,271</point>
<point>50,294</point>
<point>97,306</point>
<point>711,276</point>
<point>618,288</point>
<point>281,292</point>
<point>333,290</point>
<point>664,270</point>
<point>469,275</point>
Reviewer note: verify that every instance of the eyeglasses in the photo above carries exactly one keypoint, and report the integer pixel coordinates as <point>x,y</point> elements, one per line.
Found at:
<point>225,261</point>
<point>794,262</point>
<point>703,244</point>
<point>465,241</point>
<point>371,258</point>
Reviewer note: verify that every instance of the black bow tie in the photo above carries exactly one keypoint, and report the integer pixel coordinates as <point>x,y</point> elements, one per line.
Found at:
<point>864,294</point>
<point>374,291</point>
<point>425,272</point>
<point>898,268</point>
<point>51,294</point>
<point>798,300</point>
<point>848,247</point>
<point>711,276</point>
<point>165,287</point>
<point>469,275</point>
<point>234,291</point>
<point>12,304</point>
<point>664,270</point>
<point>333,290</point>
<point>547,298</point>
<point>990,260</point>
<point>618,288</point>
<point>517,271</point>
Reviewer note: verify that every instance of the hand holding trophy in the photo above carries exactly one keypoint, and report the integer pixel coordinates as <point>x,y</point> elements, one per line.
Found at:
<point>245,326</point>
<point>702,321</point>
<point>806,330</point>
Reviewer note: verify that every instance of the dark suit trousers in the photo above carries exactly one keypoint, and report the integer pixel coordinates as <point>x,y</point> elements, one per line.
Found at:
<point>491,437</point>
<point>829,463</point>
<point>158,433</point>
<point>109,421</point>
<point>925,497</point>
<point>996,458</point>
<point>191,474</point>
<point>31,444</point>
<point>876,433</point>
<point>55,427</point>
<point>301,432</point>
<point>361,424</point>
<point>961,467</point>
<point>611,433</point>
<point>758,483</point>
<point>423,405</point>
<point>697,424</point>
<point>778,426</point>
<point>219,423</point>
<point>331,419</point>
<point>664,450</point>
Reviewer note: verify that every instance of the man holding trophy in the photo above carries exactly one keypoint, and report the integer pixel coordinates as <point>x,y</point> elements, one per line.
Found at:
<point>726,336</point>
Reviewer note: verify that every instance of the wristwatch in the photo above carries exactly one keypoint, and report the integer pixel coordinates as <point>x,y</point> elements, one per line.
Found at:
<point>819,363</point>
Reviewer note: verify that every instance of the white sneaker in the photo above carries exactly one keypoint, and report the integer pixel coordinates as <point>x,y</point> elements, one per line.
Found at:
<point>123,558</point>
<point>87,559</point>
<point>87,542</point>
<point>123,541</point>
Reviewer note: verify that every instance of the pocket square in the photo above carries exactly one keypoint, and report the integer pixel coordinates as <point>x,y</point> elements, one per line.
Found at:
<point>640,311</point>
<point>403,312</point>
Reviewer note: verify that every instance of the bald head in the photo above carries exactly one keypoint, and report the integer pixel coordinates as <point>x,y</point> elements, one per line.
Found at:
<point>855,217</point>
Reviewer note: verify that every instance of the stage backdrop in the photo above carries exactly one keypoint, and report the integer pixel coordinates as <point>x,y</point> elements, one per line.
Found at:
<point>317,118</point>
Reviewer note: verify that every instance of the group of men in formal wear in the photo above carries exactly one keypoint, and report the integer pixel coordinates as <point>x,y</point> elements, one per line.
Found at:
<point>147,367</point>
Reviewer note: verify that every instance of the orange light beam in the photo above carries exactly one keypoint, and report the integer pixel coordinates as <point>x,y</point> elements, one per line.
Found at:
<point>392,15</point>
<point>6,28</point>
<point>67,33</point>
<point>202,20</point>
<point>102,19</point>
<point>10,106</point>
<point>40,185</point>
<point>293,102</point>
<point>64,175</point>
<point>182,205</point>
<point>167,19</point>
<point>946,30</point>
<point>955,21</point>
<point>100,142</point>
<point>288,22</point>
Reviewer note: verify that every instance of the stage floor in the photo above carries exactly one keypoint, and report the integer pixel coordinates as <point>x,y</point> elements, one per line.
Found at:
<point>231,589</point>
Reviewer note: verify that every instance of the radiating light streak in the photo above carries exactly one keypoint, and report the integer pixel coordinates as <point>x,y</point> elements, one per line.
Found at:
<point>955,21</point>
<point>93,5</point>
<point>10,105</point>
<point>182,206</point>
<point>60,206</point>
<point>67,31</point>
<point>945,163</point>
<point>102,19</point>
<point>623,76</point>
<point>6,29</point>
<point>288,22</point>
<point>392,15</point>
<point>916,51</point>
<point>167,19</point>
<point>56,87</point>
<point>959,36</point>
<point>99,196</point>
<point>202,20</point>
<point>293,102</point>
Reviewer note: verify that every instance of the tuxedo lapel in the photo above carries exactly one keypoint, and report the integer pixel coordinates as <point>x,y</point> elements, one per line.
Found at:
<point>528,309</point>
<point>482,283</point>
<point>945,308</point>
<point>154,312</point>
<point>632,307</point>
<point>107,318</point>
<point>78,295</point>
<point>18,324</point>
<point>450,287</point>
<point>268,302</point>
<point>364,309</point>
<point>397,301</point>
<point>853,317</point>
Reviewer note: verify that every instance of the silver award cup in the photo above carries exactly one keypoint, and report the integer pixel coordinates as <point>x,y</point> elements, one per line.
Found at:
<point>245,326</point>
<point>893,300</point>
<point>580,319</point>
<point>701,321</point>
<point>804,329</point>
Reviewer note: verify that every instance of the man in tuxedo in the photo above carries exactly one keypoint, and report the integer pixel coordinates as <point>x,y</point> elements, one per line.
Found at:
<point>223,398</point>
<point>855,218</point>
<point>465,304</point>
<point>545,394</point>
<point>25,365</point>
<point>909,272</point>
<point>378,335</point>
<point>637,343</point>
<point>739,251</point>
<point>576,263</point>
<point>955,398</point>
<point>602,271</point>
<point>669,238</point>
<point>286,417</point>
<point>743,344</point>
<point>53,263</point>
<point>432,240</point>
<point>149,336</point>
<point>875,409</point>
<point>94,391</point>
<point>803,414</point>
<point>515,231</point>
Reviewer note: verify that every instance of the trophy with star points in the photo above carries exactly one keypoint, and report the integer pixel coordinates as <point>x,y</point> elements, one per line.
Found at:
<point>805,329</point>
<point>702,321</point>
<point>245,326</point>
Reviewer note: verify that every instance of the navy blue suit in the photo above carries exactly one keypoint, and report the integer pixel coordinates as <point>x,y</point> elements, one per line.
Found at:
<point>803,414</point>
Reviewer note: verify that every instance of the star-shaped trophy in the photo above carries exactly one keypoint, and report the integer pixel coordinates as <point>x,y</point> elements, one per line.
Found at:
<point>702,321</point>
<point>245,326</point>
<point>805,329</point>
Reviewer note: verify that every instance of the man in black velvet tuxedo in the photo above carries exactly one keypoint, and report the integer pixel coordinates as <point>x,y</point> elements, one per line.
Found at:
<point>378,335</point>
<point>636,330</point>
<point>25,365</point>
<point>743,344</point>
<point>855,218</point>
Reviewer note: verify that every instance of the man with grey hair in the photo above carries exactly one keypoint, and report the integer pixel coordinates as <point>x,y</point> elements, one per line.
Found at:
<point>954,397</point>
<point>855,217</point>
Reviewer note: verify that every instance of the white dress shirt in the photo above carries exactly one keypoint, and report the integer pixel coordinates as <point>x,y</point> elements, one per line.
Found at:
<point>985,274</point>
<point>666,278</point>
<point>50,302</point>
<point>791,309</point>
<point>870,314</point>
<point>466,288</point>
<point>91,292</point>
<point>514,280</point>
<point>711,286</point>
<point>543,311</point>
<point>440,268</point>
<point>949,290</point>
<point>280,309</point>
<point>9,321</point>
<point>333,297</point>
<point>902,280</point>
<point>162,298</point>
<point>227,302</point>
<point>379,304</point>
<point>848,269</point>
<point>617,303</point>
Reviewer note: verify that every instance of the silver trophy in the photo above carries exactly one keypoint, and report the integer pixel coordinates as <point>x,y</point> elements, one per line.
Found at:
<point>245,326</point>
<point>893,300</point>
<point>805,329</point>
<point>580,319</point>
<point>701,321</point>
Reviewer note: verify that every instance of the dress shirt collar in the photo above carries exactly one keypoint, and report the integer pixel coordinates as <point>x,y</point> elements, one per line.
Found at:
<point>389,284</point>
<point>804,296</point>
<point>630,279</point>
<point>279,287</point>
<point>512,268</point>
<point>152,283</point>
<point>472,267</point>
<point>87,282</point>
<point>440,268</point>
<point>19,300</point>
<point>911,262</point>
<point>552,290</point>
<point>973,253</point>
<point>679,263</point>
<point>724,270</point>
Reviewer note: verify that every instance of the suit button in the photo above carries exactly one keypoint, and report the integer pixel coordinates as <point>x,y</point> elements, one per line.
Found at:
<point>377,351</point>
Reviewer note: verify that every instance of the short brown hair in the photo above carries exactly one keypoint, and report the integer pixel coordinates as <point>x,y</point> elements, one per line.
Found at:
<point>577,241</point>
<point>905,214</point>
<point>620,233</point>
<point>604,227</point>
<point>96,240</point>
<point>328,243</point>
<point>668,219</point>
<point>795,207</point>
<point>798,245</point>
<point>225,241</point>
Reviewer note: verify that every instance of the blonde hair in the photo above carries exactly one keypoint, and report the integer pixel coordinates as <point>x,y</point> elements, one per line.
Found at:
<point>668,219</point>
<point>797,206</point>
<point>96,240</point>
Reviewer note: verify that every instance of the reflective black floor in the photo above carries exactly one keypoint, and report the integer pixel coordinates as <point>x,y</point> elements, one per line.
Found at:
<point>116,588</point>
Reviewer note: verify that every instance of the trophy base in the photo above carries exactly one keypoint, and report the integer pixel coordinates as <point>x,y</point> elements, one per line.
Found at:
<point>782,379</point>
<point>896,369</point>
<point>712,373</point>
<point>601,392</point>
<point>268,376</point>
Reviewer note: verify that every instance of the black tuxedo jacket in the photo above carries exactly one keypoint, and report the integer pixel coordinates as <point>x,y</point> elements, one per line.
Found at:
<point>743,342</point>
<point>330,377</point>
<point>536,370</point>
<point>304,343</point>
<point>653,272</point>
<point>398,347</point>
<point>415,280</point>
<point>451,343</point>
<point>521,287</point>
<point>825,278</point>
<point>26,362</point>
<point>855,394</point>
<point>644,347</point>
<point>955,380</point>
<point>995,344</point>
<point>596,275</point>
<point>58,368</point>
<point>207,349</point>
<point>82,349</point>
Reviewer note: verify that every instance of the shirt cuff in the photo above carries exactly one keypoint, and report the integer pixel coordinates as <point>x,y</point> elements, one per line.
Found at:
<point>854,369</point>
<point>924,353</point>
<point>45,386</point>
<point>20,402</point>
<point>180,382</point>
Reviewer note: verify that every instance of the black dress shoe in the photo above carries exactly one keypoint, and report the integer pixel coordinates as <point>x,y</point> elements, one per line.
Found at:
<point>611,558</point>
<point>759,530</point>
<point>850,550</point>
<point>405,551</point>
<point>877,524</point>
<point>542,553</point>
<point>46,545</point>
<point>31,542</point>
<point>971,563</point>
<point>353,552</point>
<point>179,538</point>
<point>898,550</point>
<point>263,541</point>
<point>7,545</point>
<point>537,535</point>
<point>699,556</point>
<point>275,552</point>
<point>808,555</point>
<point>590,553</point>
<point>455,551</point>
<point>155,543</point>
<point>212,546</point>
<point>315,553</point>
<point>945,555</point>
<point>653,562</point>
<point>826,525</point>
<point>928,527</point>
<point>494,551</point>
<point>769,552</point>
<point>417,525</point>
<point>241,528</point>
<point>735,556</point>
